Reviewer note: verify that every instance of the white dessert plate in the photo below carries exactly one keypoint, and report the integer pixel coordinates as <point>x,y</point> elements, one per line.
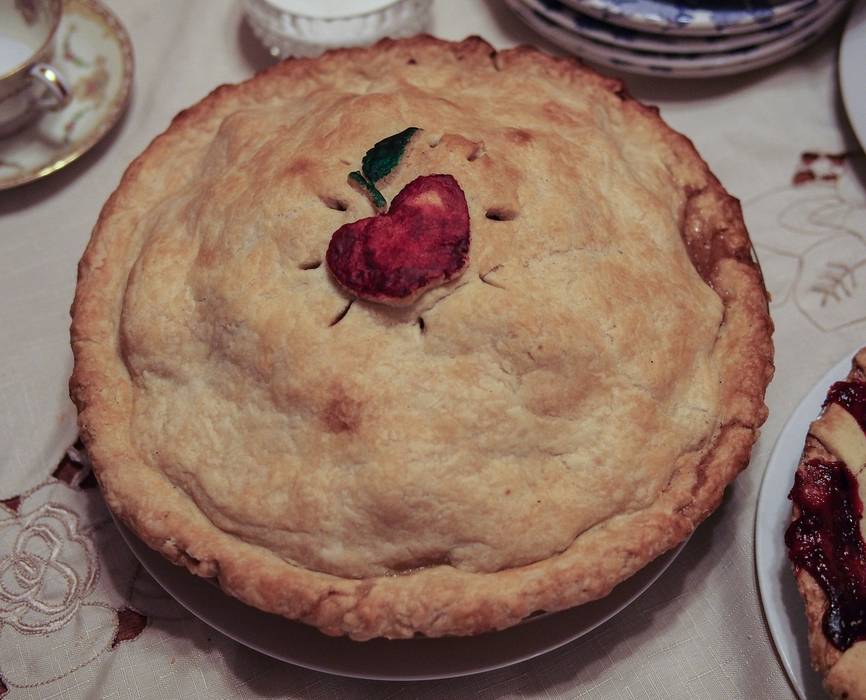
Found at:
<point>783,606</point>
<point>381,659</point>
<point>852,70</point>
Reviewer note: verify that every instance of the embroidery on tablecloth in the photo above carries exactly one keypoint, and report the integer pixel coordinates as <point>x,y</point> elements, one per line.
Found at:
<point>810,237</point>
<point>49,571</point>
<point>49,580</point>
<point>12,503</point>
<point>73,470</point>
<point>130,624</point>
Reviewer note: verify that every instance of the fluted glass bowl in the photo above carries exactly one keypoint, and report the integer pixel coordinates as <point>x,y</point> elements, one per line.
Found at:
<point>310,27</point>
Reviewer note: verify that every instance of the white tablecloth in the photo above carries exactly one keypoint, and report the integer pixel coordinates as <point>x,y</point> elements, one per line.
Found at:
<point>777,139</point>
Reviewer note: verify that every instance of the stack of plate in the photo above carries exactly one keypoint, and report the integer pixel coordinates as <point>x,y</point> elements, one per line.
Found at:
<point>681,38</point>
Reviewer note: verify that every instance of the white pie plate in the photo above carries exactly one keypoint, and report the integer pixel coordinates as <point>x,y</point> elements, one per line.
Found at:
<point>380,659</point>
<point>783,606</point>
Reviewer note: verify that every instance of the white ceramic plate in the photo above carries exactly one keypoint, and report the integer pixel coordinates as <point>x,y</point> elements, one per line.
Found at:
<point>629,38</point>
<point>380,659</point>
<point>852,70</point>
<point>783,606</point>
<point>695,17</point>
<point>701,65</point>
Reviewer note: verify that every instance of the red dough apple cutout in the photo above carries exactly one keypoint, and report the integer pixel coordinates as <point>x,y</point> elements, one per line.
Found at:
<point>421,242</point>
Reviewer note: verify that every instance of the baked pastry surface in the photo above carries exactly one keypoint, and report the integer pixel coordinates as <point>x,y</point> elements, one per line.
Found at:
<point>520,438</point>
<point>836,443</point>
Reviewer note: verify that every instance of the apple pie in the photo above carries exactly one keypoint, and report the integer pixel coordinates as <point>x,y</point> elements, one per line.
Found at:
<point>421,338</point>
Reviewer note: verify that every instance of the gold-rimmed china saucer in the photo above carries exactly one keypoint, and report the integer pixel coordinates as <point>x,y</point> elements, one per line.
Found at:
<point>94,53</point>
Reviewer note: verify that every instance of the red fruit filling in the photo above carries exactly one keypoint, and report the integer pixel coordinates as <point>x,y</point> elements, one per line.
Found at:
<point>852,397</point>
<point>825,539</point>
<point>422,241</point>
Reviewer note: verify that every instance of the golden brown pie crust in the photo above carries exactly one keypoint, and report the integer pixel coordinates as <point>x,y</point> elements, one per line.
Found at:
<point>572,407</point>
<point>844,672</point>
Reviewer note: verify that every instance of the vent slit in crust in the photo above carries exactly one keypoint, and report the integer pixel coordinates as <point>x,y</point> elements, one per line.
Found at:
<point>340,316</point>
<point>501,214</point>
<point>334,203</point>
<point>483,277</point>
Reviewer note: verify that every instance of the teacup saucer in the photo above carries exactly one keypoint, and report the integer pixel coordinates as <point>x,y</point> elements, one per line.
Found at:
<point>94,54</point>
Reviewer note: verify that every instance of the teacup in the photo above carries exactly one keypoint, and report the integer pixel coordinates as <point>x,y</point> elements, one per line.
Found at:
<point>28,83</point>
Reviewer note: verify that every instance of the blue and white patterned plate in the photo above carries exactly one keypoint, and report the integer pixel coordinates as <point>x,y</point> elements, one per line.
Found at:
<point>695,17</point>
<point>596,29</point>
<point>696,65</point>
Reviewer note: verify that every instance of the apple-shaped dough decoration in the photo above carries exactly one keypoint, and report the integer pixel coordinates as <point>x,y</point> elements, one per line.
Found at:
<point>421,242</point>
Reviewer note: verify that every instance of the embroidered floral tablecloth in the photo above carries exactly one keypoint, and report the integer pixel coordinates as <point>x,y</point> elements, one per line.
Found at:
<point>78,616</point>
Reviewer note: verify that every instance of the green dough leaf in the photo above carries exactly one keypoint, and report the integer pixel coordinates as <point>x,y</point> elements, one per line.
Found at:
<point>368,188</point>
<point>384,156</point>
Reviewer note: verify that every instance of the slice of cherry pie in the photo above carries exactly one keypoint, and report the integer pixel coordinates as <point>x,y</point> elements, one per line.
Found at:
<point>826,537</point>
